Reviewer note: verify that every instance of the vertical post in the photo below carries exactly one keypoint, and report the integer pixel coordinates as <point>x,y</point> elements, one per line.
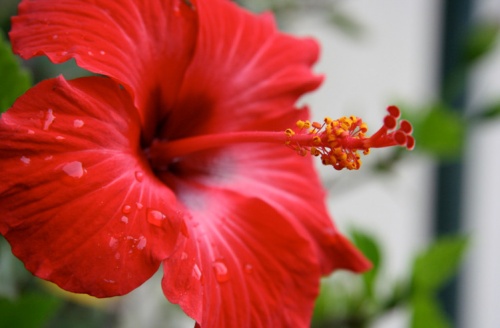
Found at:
<point>455,25</point>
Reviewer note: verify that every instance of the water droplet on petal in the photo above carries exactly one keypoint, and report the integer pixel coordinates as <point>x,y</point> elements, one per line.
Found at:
<point>78,123</point>
<point>124,219</point>
<point>196,272</point>
<point>177,8</point>
<point>142,242</point>
<point>155,217</point>
<point>60,138</point>
<point>139,175</point>
<point>220,270</point>
<point>74,169</point>
<point>117,255</point>
<point>113,242</point>
<point>48,158</point>
<point>31,132</point>
<point>184,256</point>
<point>126,209</point>
<point>48,119</point>
<point>25,160</point>
<point>102,52</point>
<point>139,205</point>
<point>248,268</point>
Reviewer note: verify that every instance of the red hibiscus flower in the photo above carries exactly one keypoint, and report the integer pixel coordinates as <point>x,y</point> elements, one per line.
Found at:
<point>172,157</point>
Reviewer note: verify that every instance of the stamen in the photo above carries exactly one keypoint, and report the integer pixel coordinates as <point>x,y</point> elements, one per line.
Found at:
<point>337,142</point>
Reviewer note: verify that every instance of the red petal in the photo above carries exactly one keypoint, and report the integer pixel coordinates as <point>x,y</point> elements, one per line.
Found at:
<point>79,204</point>
<point>144,45</point>
<point>244,72</point>
<point>244,265</point>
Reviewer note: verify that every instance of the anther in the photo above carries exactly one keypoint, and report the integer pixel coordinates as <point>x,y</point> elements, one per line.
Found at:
<point>337,142</point>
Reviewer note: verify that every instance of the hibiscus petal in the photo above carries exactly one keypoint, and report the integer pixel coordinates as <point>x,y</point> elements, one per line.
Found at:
<point>79,204</point>
<point>244,72</point>
<point>297,192</point>
<point>244,265</point>
<point>141,44</point>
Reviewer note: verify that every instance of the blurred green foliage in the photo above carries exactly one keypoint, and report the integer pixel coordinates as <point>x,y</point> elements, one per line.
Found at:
<point>15,79</point>
<point>329,10</point>
<point>432,269</point>
<point>357,302</point>
<point>30,310</point>
<point>439,131</point>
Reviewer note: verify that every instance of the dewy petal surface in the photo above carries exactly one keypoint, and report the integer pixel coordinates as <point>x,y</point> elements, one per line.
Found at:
<point>244,265</point>
<point>144,45</point>
<point>79,205</point>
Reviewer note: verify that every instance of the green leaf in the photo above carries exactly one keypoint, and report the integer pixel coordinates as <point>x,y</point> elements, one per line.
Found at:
<point>480,41</point>
<point>30,310</point>
<point>12,271</point>
<point>346,23</point>
<point>14,79</point>
<point>426,313</point>
<point>491,111</point>
<point>440,132</point>
<point>370,248</point>
<point>437,264</point>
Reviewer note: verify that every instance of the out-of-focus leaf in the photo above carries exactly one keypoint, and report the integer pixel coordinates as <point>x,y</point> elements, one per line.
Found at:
<point>480,41</point>
<point>434,266</point>
<point>370,248</point>
<point>14,79</point>
<point>77,316</point>
<point>426,313</point>
<point>346,23</point>
<point>12,272</point>
<point>29,311</point>
<point>490,112</point>
<point>440,132</point>
<point>399,295</point>
<point>8,9</point>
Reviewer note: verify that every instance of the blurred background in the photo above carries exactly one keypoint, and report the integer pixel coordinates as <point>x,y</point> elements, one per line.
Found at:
<point>421,216</point>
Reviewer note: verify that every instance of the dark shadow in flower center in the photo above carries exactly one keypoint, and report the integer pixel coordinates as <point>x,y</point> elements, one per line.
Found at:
<point>191,116</point>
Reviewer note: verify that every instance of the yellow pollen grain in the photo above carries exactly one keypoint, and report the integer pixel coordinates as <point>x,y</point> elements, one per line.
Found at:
<point>315,151</point>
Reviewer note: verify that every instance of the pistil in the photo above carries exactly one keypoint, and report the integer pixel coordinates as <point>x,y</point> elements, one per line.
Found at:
<point>336,142</point>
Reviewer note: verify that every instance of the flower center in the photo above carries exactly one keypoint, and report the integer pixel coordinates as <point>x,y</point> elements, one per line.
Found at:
<point>336,142</point>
